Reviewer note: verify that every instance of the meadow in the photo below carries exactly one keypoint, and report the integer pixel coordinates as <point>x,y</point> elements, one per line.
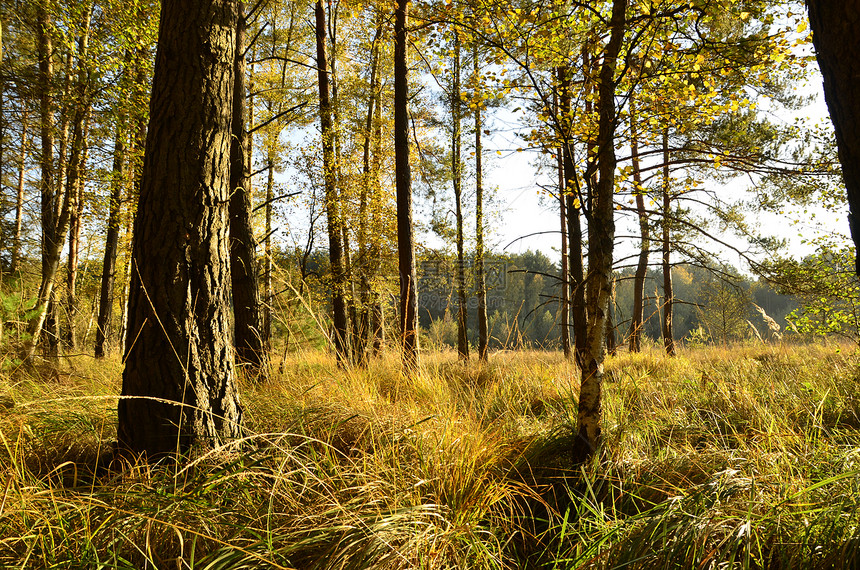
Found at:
<point>723,457</point>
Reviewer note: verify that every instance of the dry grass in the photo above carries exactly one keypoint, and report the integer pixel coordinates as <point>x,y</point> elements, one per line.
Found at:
<point>722,457</point>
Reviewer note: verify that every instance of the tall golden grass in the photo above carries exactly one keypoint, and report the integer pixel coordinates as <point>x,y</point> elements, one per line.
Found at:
<point>745,457</point>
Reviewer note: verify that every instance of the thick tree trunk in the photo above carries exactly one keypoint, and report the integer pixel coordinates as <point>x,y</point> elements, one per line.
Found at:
<point>403,183</point>
<point>637,318</point>
<point>835,26</point>
<point>480,279</point>
<point>335,230</point>
<point>457,182</point>
<point>601,236</point>
<point>179,387</point>
<point>106,296</point>
<point>668,292</point>
<point>248,335</point>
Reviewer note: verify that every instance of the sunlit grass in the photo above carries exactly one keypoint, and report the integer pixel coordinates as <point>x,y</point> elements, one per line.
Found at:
<point>744,456</point>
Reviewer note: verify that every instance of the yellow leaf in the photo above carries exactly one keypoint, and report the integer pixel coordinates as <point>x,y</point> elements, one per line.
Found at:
<point>745,15</point>
<point>802,27</point>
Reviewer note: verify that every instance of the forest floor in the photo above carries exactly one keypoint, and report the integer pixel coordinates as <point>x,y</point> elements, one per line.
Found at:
<point>741,457</point>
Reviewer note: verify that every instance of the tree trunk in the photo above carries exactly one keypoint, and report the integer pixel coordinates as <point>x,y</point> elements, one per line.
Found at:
<point>179,388</point>
<point>55,203</point>
<point>480,278</point>
<point>369,182</point>
<point>76,207</point>
<point>19,203</point>
<point>601,236</point>
<point>335,231</point>
<point>576,268</point>
<point>106,295</point>
<point>637,318</point>
<point>835,26</point>
<point>565,277</point>
<point>378,312</point>
<point>403,183</point>
<point>248,335</point>
<point>668,293</point>
<point>267,261</point>
<point>457,182</point>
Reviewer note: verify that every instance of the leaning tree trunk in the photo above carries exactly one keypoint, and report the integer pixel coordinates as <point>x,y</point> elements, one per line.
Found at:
<point>835,26</point>
<point>457,181</point>
<point>248,333</point>
<point>668,291</point>
<point>179,387</point>
<point>601,236</point>
<point>335,232</point>
<point>403,183</point>
<point>480,278</point>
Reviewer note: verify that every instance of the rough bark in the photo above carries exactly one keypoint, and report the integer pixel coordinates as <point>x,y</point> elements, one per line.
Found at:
<point>601,235</point>
<point>457,182</point>
<point>637,318</point>
<point>250,349</point>
<point>668,292</point>
<point>835,27</point>
<point>480,278</point>
<point>179,390</point>
<point>335,230</point>
<point>403,183</point>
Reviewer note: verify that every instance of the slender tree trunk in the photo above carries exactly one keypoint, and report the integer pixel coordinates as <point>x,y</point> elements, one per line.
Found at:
<point>457,181</point>
<point>267,261</point>
<point>480,278</point>
<point>601,236</point>
<point>19,203</point>
<point>106,296</point>
<point>637,318</point>
<point>565,277</point>
<point>576,268</point>
<point>179,388</point>
<point>611,340</point>
<point>365,336</point>
<point>378,312</point>
<point>55,203</point>
<point>835,27</point>
<point>668,292</point>
<point>403,183</point>
<point>75,190</point>
<point>250,349</point>
<point>335,231</point>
